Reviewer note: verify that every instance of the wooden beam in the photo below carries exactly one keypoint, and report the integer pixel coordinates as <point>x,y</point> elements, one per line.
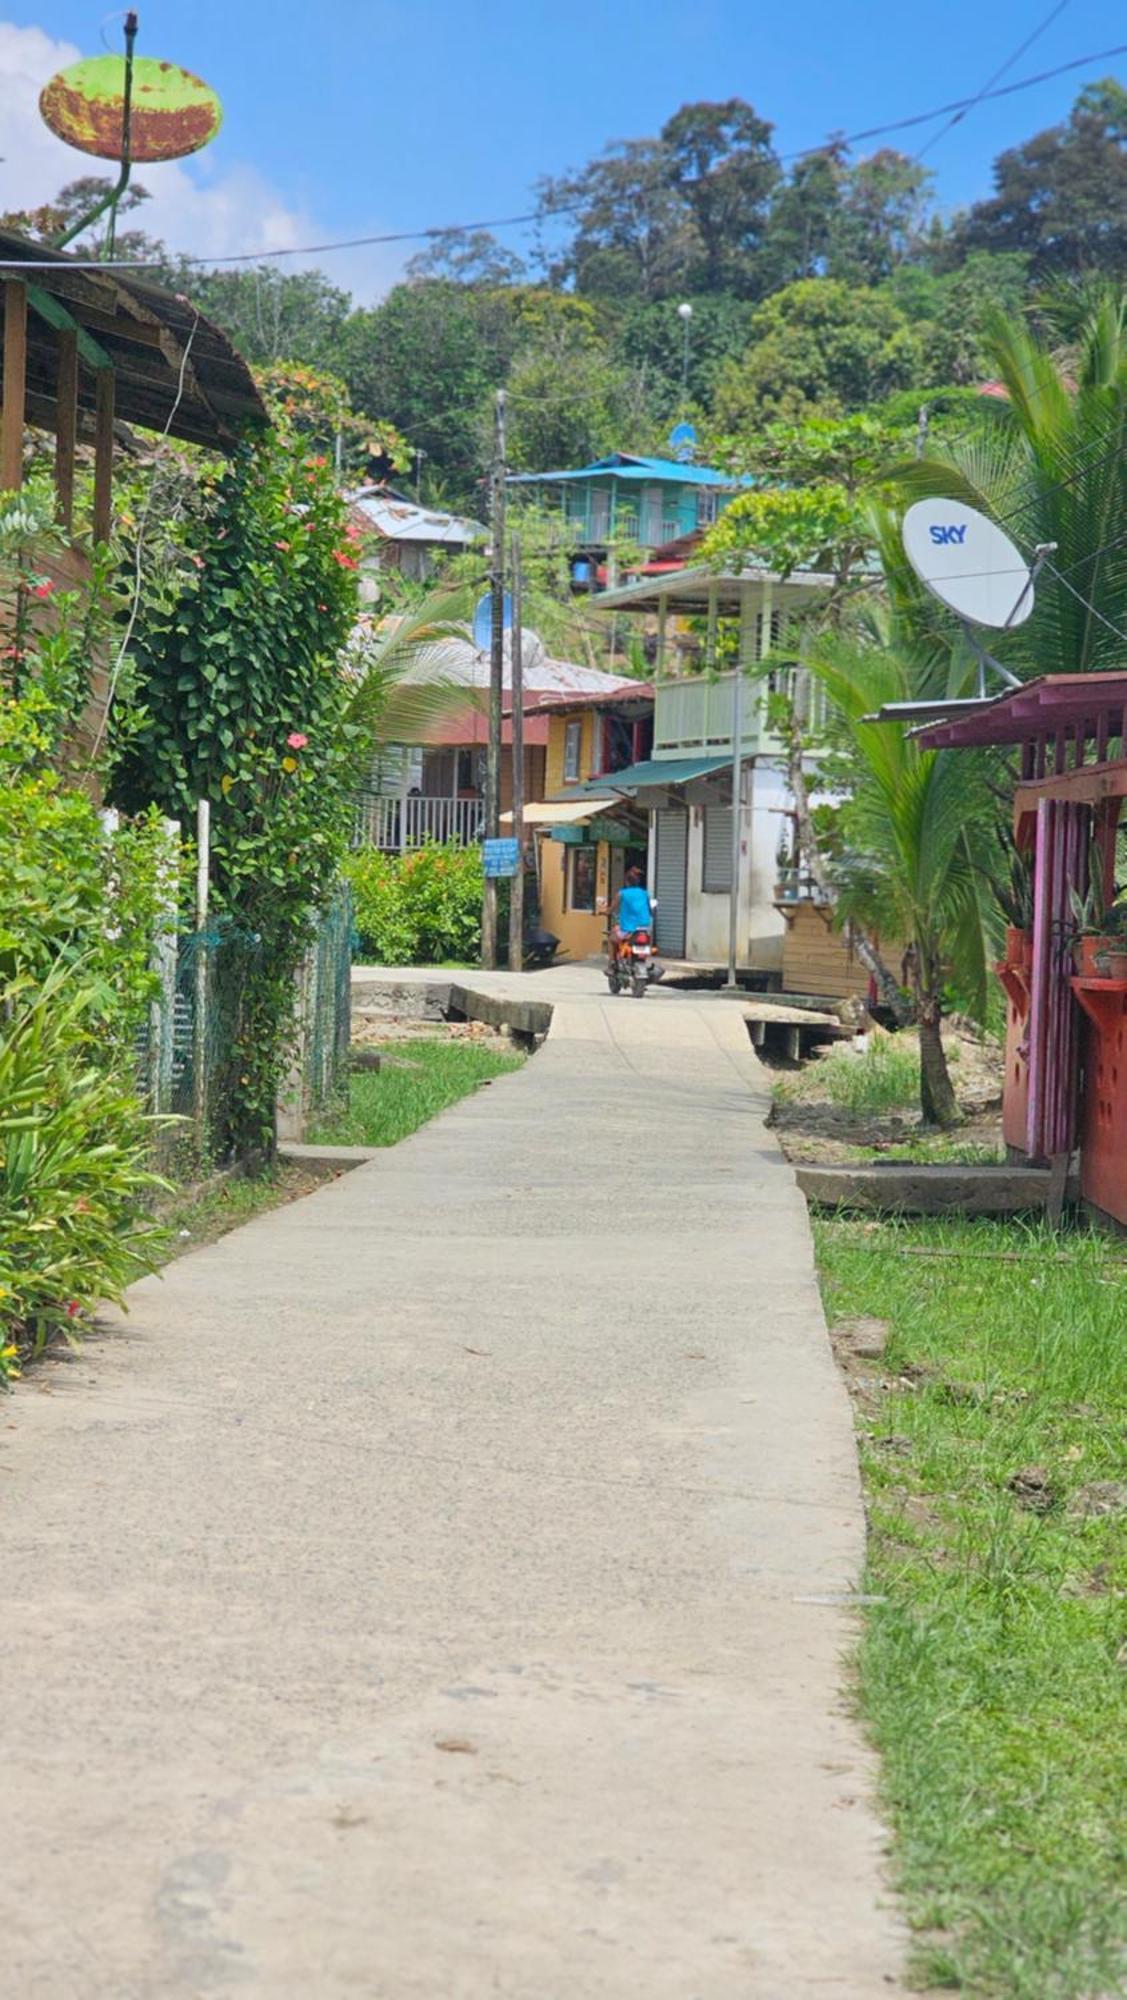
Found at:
<point>1087,786</point>
<point>66,426</point>
<point>103,455</point>
<point>15,383</point>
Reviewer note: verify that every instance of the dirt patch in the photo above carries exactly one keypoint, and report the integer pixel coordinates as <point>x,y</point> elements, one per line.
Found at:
<point>814,1130</point>
<point>376,1027</point>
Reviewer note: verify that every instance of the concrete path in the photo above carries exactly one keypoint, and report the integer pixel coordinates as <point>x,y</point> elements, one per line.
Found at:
<point>430,1591</point>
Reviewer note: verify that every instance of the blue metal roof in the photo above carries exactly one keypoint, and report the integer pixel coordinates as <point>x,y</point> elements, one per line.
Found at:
<point>625,465</point>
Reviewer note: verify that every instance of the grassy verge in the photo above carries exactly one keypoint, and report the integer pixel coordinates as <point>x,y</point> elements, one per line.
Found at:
<point>993,1672</point>
<point>420,1079</point>
<point>194,1219</point>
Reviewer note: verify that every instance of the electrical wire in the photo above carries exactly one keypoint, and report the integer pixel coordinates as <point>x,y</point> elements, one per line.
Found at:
<point>569,208</point>
<point>988,86</point>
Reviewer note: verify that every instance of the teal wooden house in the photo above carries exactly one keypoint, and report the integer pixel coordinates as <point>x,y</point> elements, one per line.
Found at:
<point>625,500</point>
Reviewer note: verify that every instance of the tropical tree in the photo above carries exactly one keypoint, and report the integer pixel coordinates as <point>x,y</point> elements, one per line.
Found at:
<point>914,830</point>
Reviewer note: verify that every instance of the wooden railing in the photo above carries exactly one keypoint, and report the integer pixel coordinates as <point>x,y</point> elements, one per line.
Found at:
<point>398,823</point>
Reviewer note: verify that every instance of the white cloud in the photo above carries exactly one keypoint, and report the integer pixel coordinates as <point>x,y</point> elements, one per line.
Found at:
<point>203,210</point>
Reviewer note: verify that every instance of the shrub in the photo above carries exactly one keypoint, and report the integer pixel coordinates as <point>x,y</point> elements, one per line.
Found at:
<point>73,1167</point>
<point>418,909</point>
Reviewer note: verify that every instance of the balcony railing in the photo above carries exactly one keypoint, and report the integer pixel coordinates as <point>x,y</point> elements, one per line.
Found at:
<point>400,823</point>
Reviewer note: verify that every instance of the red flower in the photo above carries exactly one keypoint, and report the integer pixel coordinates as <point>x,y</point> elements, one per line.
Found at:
<point>346,561</point>
<point>73,1309</point>
<point>282,545</point>
<point>320,607</point>
<point>44,587</point>
<point>296,741</point>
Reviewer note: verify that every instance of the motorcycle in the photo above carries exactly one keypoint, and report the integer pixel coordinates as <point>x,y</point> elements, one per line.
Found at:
<point>632,963</point>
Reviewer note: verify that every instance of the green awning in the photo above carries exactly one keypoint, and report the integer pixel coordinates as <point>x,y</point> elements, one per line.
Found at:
<point>656,771</point>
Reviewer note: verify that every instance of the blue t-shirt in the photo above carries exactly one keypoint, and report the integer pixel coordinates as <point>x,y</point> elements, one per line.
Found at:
<point>634,911</point>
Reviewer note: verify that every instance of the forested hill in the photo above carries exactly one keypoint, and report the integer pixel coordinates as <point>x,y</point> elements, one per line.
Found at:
<point>825,285</point>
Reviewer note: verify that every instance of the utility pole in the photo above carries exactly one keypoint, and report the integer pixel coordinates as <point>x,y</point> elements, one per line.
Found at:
<point>922,424</point>
<point>516,644</point>
<point>496,681</point>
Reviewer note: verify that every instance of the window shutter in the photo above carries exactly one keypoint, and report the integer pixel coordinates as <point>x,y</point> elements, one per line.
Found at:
<point>716,879</point>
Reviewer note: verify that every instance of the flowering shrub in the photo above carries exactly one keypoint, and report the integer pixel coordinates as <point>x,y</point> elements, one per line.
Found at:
<point>422,908</point>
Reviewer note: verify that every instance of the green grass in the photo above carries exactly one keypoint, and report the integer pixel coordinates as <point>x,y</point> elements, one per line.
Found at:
<point>422,1078</point>
<point>885,1077</point>
<point>194,1219</point>
<point>993,1674</point>
<point>939,1149</point>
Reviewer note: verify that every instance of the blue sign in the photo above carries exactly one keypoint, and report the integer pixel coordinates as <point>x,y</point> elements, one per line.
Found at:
<point>483,620</point>
<point>501,857</point>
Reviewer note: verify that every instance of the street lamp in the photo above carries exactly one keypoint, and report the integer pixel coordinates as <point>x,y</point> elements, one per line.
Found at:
<point>685,314</point>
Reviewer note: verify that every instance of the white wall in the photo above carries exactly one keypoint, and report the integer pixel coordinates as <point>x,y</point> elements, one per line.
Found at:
<point>761,928</point>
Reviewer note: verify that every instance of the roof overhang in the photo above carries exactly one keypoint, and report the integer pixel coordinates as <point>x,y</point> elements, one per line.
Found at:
<point>660,774</point>
<point>564,812</point>
<point>173,370</point>
<point>1074,704</point>
<point>691,592</point>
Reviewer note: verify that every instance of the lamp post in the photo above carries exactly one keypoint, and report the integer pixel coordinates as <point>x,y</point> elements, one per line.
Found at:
<point>685,315</point>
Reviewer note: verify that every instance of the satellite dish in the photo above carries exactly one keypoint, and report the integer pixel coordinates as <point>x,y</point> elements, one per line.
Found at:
<point>172,112</point>
<point>483,621</point>
<point>683,437</point>
<point>968,563</point>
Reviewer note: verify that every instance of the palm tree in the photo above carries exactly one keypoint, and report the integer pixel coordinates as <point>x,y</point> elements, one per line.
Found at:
<point>916,823</point>
<point>1049,463</point>
<point>398,668</point>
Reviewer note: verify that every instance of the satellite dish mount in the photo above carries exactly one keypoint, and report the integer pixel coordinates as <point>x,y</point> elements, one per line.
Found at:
<point>110,201</point>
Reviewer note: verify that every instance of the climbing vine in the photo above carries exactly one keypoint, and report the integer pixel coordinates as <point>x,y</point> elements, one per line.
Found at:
<point>240,700</point>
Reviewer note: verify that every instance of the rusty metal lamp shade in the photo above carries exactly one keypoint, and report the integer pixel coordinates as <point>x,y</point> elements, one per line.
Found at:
<point>173,112</point>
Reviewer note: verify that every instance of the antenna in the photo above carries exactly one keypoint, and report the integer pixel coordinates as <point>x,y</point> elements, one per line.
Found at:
<point>973,568</point>
<point>127,108</point>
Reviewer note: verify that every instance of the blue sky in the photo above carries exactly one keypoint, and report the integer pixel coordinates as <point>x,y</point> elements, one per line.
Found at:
<point>370,115</point>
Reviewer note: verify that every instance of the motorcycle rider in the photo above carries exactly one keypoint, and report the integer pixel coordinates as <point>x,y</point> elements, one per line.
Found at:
<point>632,911</point>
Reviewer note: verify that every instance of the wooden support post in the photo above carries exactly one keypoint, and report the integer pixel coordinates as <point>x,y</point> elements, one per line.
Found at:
<point>66,426</point>
<point>15,384</point>
<point>103,454</point>
<point>794,1044</point>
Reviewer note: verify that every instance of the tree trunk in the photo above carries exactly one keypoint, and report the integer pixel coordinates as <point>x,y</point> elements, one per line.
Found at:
<point>937,1095</point>
<point>891,995</point>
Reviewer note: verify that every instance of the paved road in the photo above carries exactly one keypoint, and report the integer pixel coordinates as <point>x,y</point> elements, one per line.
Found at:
<point>420,1596</point>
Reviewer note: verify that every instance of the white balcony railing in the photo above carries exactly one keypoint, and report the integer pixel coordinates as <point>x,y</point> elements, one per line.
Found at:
<point>399,823</point>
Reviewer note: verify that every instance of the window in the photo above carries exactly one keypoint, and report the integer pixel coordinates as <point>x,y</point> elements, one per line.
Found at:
<point>716,871</point>
<point>707,507</point>
<point>581,869</point>
<point>573,738</point>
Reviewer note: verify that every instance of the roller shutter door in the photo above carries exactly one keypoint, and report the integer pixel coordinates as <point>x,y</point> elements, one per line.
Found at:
<point>670,875</point>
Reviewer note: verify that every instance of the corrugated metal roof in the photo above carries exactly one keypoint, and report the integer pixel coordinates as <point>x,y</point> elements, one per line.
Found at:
<point>625,465</point>
<point>459,661</point>
<point>400,520</point>
<point>659,771</point>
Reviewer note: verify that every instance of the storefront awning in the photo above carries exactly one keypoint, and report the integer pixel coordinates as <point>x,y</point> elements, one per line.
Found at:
<point>564,812</point>
<point>659,772</point>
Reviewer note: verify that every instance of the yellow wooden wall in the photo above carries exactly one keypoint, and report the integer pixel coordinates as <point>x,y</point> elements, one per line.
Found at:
<point>557,738</point>
<point>817,959</point>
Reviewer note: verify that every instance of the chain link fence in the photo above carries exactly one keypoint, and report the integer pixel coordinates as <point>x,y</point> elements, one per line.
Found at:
<point>188,1051</point>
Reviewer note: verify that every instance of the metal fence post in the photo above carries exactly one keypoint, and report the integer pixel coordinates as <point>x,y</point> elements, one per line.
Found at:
<point>199,1015</point>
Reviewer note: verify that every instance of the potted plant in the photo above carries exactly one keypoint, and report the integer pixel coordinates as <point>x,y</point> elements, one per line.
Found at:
<point>1100,942</point>
<point>1013,891</point>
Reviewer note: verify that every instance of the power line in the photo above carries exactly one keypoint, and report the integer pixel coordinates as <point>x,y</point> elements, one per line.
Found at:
<point>988,86</point>
<point>961,104</point>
